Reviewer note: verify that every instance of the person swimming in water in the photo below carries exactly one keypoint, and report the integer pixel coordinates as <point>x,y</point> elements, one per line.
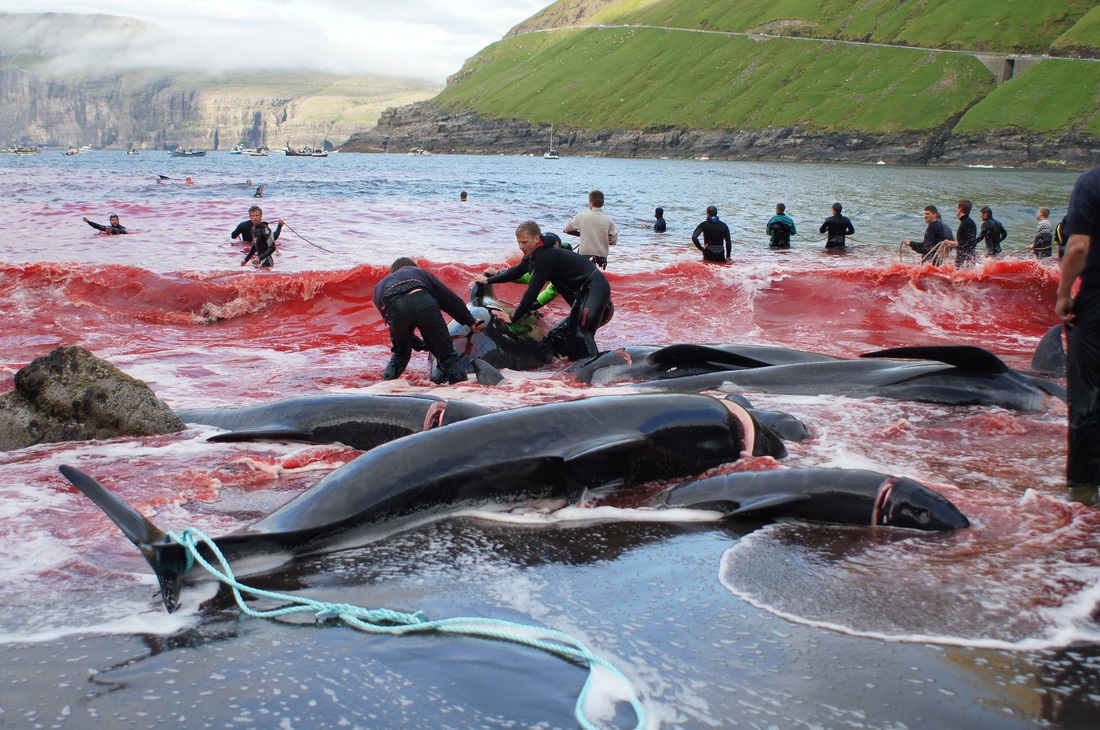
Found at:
<point>115,228</point>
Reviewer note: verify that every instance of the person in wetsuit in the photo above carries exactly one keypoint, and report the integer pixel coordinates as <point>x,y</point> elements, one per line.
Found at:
<point>836,227</point>
<point>937,231</point>
<point>966,237</point>
<point>262,237</point>
<point>115,228</point>
<point>659,225</point>
<point>715,234</point>
<point>992,232</point>
<point>255,218</point>
<point>411,299</point>
<point>780,228</point>
<point>576,278</point>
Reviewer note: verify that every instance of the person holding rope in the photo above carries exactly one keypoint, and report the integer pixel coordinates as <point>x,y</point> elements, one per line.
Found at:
<point>262,237</point>
<point>966,237</point>
<point>255,218</point>
<point>929,248</point>
<point>715,233</point>
<point>835,228</point>
<point>992,232</point>
<point>780,228</point>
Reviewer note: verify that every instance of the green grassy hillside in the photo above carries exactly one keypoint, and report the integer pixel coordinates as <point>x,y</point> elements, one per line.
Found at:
<point>1018,26</point>
<point>639,78</point>
<point>876,66</point>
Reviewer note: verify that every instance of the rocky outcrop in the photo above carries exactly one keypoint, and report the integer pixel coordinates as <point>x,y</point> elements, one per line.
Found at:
<point>71,395</point>
<point>428,126</point>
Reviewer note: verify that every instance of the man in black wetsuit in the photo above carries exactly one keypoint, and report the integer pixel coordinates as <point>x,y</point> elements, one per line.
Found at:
<point>659,225</point>
<point>1081,315</point>
<point>255,218</point>
<point>836,227</point>
<point>992,232</point>
<point>966,237</point>
<point>715,234</point>
<point>937,231</point>
<point>114,229</point>
<point>575,277</point>
<point>262,237</point>
<point>412,299</point>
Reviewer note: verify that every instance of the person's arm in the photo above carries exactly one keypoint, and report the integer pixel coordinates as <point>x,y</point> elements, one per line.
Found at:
<point>849,229</point>
<point>548,295</point>
<point>612,235</point>
<point>1073,263</point>
<point>251,253</point>
<point>513,273</point>
<point>240,229</point>
<point>987,228</point>
<point>95,225</point>
<point>824,227</point>
<point>278,230</point>
<point>448,301</point>
<point>794,230</point>
<point>729,242</point>
<point>695,236</point>
<point>122,230</point>
<point>540,275</point>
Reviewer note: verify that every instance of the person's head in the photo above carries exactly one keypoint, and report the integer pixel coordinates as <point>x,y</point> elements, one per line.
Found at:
<point>837,208</point>
<point>780,209</point>
<point>986,213</point>
<point>256,215</point>
<point>551,239</point>
<point>528,237</point>
<point>931,214</point>
<point>595,199</point>
<point>401,263</point>
<point>1044,213</point>
<point>259,192</point>
<point>964,207</point>
<point>712,211</point>
<point>462,196</point>
<point>659,213</point>
<point>114,220</point>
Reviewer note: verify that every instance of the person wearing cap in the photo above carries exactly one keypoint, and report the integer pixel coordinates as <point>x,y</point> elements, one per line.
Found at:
<point>115,228</point>
<point>411,299</point>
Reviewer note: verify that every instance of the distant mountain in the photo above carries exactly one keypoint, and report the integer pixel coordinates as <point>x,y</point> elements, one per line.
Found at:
<point>69,80</point>
<point>920,82</point>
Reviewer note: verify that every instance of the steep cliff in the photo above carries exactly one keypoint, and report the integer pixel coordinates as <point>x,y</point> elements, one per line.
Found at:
<point>45,101</point>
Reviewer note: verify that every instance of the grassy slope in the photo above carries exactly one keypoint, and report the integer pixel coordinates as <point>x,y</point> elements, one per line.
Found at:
<point>1083,38</point>
<point>649,78</point>
<point>736,82</point>
<point>1019,26</point>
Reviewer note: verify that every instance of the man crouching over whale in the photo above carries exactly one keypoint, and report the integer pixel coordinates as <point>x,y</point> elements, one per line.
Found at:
<point>411,299</point>
<point>576,278</point>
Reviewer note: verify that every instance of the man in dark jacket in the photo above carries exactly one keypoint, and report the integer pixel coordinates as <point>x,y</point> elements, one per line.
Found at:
<point>411,299</point>
<point>715,234</point>
<point>115,228</point>
<point>575,277</point>
<point>966,237</point>
<point>937,231</point>
<point>836,227</point>
<point>992,232</point>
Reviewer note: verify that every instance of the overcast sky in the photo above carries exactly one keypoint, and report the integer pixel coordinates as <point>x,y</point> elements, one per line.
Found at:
<point>427,39</point>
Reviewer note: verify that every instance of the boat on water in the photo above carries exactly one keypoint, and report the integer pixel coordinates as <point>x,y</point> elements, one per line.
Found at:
<point>417,152</point>
<point>21,150</point>
<point>319,153</point>
<point>303,151</point>
<point>258,152</point>
<point>181,152</point>
<point>551,153</point>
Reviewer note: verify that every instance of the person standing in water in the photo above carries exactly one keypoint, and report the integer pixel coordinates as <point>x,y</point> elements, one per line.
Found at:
<point>596,229</point>
<point>1043,244</point>
<point>966,237</point>
<point>836,227</point>
<point>715,234</point>
<point>992,232</point>
<point>936,232</point>
<point>780,228</point>
<point>263,239</point>
<point>659,225</point>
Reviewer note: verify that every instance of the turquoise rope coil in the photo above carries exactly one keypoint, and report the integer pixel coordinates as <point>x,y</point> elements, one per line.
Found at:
<point>397,623</point>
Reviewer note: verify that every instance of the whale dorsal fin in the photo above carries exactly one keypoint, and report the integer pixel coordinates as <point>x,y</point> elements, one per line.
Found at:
<point>964,357</point>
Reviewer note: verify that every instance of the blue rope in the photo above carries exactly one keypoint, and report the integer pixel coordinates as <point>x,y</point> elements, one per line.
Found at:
<point>396,623</point>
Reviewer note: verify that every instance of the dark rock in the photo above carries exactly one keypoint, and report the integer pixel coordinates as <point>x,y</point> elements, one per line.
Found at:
<point>71,395</point>
<point>429,126</point>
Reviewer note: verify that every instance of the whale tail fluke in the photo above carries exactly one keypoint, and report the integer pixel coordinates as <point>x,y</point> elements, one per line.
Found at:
<point>166,558</point>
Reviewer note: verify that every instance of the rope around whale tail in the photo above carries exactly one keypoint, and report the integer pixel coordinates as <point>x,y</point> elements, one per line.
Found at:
<point>396,623</point>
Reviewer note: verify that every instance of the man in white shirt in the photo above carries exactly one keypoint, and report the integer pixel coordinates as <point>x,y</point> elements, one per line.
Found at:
<point>596,229</point>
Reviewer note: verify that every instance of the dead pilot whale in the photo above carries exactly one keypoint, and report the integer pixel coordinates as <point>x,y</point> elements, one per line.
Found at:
<point>844,496</point>
<point>552,450</point>
<point>359,421</point>
<point>948,374</point>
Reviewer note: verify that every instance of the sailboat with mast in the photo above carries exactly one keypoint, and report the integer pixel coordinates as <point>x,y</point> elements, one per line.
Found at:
<point>551,154</point>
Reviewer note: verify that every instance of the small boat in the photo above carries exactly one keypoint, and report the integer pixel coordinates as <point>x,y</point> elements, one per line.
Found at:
<point>417,152</point>
<point>181,152</point>
<point>258,152</point>
<point>21,150</point>
<point>319,153</point>
<point>237,149</point>
<point>551,154</point>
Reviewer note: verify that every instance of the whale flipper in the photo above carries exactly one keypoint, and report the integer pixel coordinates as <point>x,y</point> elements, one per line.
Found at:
<point>165,558</point>
<point>967,357</point>
<point>484,373</point>
<point>266,434</point>
<point>765,502</point>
